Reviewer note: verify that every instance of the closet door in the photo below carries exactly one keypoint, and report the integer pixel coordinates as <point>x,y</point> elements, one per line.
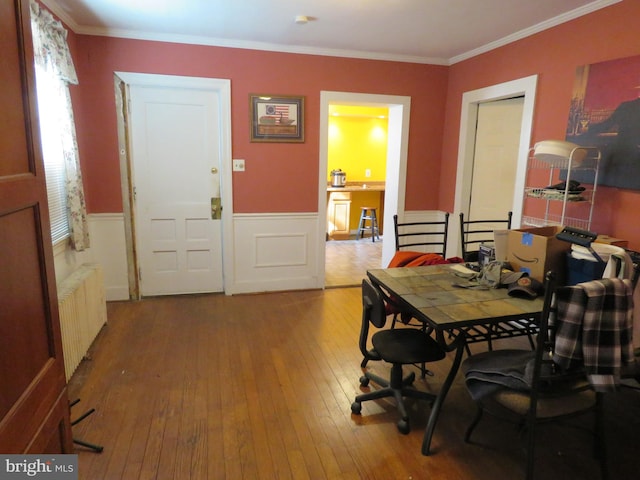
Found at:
<point>34,408</point>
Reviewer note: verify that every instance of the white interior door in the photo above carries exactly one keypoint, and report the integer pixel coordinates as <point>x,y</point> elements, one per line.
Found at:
<point>496,158</point>
<point>176,158</point>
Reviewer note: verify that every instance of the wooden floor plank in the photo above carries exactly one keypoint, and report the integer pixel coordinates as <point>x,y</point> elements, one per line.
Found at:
<point>260,387</point>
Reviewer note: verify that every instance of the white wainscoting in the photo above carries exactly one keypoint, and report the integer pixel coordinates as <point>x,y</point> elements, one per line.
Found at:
<point>272,252</point>
<point>275,252</point>
<point>109,249</point>
<point>106,231</point>
<point>424,216</point>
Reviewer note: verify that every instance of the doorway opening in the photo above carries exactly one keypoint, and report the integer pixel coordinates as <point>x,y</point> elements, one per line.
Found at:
<point>524,87</point>
<point>363,254</point>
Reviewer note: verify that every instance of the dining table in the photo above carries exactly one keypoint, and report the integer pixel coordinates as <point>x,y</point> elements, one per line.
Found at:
<point>458,311</point>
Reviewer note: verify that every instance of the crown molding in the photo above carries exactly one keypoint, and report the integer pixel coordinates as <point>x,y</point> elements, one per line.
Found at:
<point>540,27</point>
<point>55,8</point>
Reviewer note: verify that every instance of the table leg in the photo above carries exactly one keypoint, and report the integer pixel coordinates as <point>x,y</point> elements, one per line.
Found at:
<point>437,404</point>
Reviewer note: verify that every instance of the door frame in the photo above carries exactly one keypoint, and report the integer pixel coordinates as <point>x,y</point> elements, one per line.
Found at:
<point>396,171</point>
<point>525,87</point>
<point>223,88</point>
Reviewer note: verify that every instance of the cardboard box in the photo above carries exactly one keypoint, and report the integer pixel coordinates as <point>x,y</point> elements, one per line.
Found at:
<point>618,242</point>
<point>536,251</point>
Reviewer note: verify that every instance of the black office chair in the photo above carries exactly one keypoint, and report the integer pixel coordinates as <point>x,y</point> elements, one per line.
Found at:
<point>534,387</point>
<point>399,347</point>
<point>475,232</point>
<point>422,236</point>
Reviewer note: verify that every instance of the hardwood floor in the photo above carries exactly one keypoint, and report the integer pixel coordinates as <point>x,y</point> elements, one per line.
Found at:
<point>260,387</point>
<point>347,261</point>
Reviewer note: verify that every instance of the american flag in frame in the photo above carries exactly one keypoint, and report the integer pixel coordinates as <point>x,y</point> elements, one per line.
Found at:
<point>276,118</point>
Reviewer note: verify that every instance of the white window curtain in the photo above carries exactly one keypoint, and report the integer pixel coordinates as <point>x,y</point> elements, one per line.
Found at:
<point>52,56</point>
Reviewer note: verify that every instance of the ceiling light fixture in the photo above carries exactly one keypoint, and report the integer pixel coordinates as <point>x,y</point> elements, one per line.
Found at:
<point>301,19</point>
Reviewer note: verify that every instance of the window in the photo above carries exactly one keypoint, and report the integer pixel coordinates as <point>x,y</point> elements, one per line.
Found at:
<point>54,73</point>
<point>51,102</point>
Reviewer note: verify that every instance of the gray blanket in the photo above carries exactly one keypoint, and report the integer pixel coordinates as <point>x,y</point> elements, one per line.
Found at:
<point>488,372</point>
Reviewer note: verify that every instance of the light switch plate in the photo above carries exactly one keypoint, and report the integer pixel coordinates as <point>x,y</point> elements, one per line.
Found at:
<point>238,165</point>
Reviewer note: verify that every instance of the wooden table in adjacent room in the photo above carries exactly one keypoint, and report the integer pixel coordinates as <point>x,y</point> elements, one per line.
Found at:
<point>431,296</point>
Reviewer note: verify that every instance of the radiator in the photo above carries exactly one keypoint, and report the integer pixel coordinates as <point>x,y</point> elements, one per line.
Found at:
<point>83,312</point>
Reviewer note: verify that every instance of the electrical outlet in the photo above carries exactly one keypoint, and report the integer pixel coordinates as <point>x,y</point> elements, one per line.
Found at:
<point>238,165</point>
<point>367,172</point>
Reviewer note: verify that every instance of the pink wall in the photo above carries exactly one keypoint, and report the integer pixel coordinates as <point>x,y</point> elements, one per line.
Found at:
<point>553,55</point>
<point>436,94</point>
<point>263,187</point>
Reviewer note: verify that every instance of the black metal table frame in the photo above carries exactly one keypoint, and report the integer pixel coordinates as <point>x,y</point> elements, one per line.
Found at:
<point>459,336</point>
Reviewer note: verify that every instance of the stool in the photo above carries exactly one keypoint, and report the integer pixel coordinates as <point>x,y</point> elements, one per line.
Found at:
<point>368,214</point>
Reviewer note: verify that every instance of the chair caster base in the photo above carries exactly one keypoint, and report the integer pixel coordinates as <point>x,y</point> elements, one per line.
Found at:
<point>356,407</point>
<point>409,379</point>
<point>404,427</point>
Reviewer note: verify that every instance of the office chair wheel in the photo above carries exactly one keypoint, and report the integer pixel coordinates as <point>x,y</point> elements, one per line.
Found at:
<point>356,407</point>
<point>364,381</point>
<point>403,425</point>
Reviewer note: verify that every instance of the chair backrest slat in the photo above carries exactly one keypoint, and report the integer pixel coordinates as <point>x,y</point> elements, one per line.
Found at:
<point>474,233</point>
<point>427,235</point>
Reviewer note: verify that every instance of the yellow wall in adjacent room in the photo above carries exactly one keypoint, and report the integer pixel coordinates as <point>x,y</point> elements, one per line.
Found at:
<point>357,142</point>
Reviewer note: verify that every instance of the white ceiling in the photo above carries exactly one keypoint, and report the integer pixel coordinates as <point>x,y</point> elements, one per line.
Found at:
<point>423,31</point>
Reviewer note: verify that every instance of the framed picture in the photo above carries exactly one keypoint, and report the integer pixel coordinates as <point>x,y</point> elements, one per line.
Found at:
<point>276,118</point>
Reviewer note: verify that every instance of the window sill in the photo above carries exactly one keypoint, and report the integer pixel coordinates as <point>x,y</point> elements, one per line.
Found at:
<point>60,246</point>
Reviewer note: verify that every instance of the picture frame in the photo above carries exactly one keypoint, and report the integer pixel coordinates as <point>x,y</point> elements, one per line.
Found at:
<point>276,118</point>
<point>604,113</point>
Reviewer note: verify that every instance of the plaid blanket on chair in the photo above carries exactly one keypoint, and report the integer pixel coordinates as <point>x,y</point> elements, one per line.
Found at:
<point>595,327</point>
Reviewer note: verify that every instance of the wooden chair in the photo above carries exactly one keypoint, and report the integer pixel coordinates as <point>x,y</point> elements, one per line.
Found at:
<point>422,236</point>
<point>535,387</point>
<point>475,232</point>
<point>399,347</point>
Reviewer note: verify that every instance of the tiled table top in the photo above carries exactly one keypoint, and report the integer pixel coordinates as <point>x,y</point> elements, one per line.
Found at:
<point>431,293</point>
